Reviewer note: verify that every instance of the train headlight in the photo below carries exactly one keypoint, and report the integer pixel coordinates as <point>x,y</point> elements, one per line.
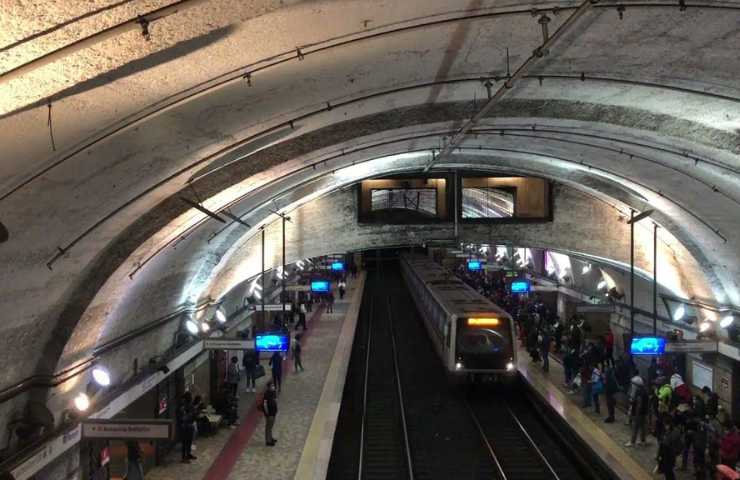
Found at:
<point>458,366</point>
<point>510,366</point>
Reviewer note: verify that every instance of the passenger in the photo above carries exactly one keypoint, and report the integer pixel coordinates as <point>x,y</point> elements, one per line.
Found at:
<point>301,318</point>
<point>250,361</point>
<point>638,411</point>
<point>729,449</point>
<point>276,362</point>
<point>558,335</point>
<point>270,409</point>
<point>610,389</point>
<point>715,432</point>
<point>669,447</point>
<point>690,427</point>
<point>232,377</point>
<point>609,348</point>
<point>342,289</point>
<point>711,400</point>
<point>186,420</point>
<point>700,447</point>
<point>297,364</point>
<point>545,348</point>
<point>586,372</point>
<point>135,471</point>
<point>597,386</point>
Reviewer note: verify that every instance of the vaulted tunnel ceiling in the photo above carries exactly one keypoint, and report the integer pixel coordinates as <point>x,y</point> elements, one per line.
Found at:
<point>259,105</point>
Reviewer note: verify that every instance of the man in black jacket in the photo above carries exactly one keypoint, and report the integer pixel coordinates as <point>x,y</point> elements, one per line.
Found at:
<point>250,361</point>
<point>270,409</point>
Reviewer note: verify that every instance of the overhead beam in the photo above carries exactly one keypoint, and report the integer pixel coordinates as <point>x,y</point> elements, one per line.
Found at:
<point>538,53</point>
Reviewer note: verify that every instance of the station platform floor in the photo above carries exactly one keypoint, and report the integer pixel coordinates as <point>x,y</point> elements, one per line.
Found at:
<point>605,439</point>
<point>307,402</point>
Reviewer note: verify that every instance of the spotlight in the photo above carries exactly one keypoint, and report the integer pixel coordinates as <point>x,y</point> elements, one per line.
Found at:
<point>726,321</point>
<point>458,366</point>
<point>204,326</point>
<point>601,285</point>
<point>510,366</point>
<point>679,313</point>
<point>586,268</point>
<point>220,316</point>
<point>82,402</point>
<point>192,327</point>
<point>704,326</point>
<point>101,376</point>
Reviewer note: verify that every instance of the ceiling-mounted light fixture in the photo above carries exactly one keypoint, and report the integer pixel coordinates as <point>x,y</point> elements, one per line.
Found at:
<point>704,326</point>
<point>220,316</point>
<point>726,321</point>
<point>204,326</point>
<point>586,268</point>
<point>101,376</point>
<point>679,313</point>
<point>601,285</point>
<point>82,402</point>
<point>192,327</point>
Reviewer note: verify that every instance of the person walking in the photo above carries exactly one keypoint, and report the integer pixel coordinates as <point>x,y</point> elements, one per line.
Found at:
<point>638,411</point>
<point>667,451</point>
<point>270,409</point>
<point>276,362</point>
<point>250,361</point>
<point>232,377</point>
<point>330,303</point>
<point>297,348</point>
<point>134,471</point>
<point>301,318</point>
<point>186,420</point>
<point>342,289</point>
<point>545,348</point>
<point>611,387</point>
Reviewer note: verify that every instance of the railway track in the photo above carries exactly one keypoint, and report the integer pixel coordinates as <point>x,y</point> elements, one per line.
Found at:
<point>402,419</point>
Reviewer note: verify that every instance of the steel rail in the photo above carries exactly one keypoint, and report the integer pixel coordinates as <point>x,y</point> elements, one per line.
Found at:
<point>409,461</point>
<point>539,52</point>
<point>533,444</point>
<point>281,58</point>
<point>364,390</point>
<point>486,442</point>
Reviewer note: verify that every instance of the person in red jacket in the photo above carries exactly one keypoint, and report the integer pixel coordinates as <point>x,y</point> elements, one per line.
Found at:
<point>729,447</point>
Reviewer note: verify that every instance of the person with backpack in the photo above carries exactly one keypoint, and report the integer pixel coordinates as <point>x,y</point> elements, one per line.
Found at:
<point>611,387</point>
<point>297,364</point>
<point>638,411</point>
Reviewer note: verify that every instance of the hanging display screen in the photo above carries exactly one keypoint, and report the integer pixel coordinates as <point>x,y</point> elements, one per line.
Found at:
<point>337,266</point>
<point>474,265</point>
<point>520,286</point>
<point>647,346</point>
<point>271,343</point>
<point>320,286</point>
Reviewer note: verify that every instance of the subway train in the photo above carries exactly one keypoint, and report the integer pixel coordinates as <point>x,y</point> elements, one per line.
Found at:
<point>473,337</point>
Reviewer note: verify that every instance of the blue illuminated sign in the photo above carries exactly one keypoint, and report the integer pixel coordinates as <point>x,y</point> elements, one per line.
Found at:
<point>647,346</point>
<point>520,286</point>
<point>474,265</point>
<point>271,343</point>
<point>337,266</point>
<point>320,286</point>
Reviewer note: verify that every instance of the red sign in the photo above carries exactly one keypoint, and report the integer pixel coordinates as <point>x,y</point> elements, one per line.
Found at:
<point>104,457</point>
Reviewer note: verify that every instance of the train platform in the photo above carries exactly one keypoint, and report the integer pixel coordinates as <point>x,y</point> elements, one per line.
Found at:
<point>605,439</point>
<point>307,408</point>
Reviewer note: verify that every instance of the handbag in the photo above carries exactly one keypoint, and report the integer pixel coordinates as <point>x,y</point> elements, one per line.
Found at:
<point>259,371</point>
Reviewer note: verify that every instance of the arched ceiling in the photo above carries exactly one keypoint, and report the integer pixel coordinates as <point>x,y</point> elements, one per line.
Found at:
<point>259,105</point>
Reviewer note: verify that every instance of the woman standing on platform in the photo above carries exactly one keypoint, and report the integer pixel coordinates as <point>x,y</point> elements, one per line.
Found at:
<point>270,409</point>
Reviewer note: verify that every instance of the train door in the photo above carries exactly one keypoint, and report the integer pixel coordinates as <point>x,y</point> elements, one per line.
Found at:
<point>450,339</point>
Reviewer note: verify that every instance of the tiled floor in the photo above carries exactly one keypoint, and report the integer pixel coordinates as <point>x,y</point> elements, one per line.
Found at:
<point>607,439</point>
<point>296,403</point>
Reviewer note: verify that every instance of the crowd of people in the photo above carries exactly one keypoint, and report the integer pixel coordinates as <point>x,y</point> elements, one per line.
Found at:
<point>690,428</point>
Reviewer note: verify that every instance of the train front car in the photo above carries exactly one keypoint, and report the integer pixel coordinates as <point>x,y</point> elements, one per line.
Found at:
<point>484,346</point>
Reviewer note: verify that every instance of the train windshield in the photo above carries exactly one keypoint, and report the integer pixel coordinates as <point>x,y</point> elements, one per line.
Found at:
<point>494,338</point>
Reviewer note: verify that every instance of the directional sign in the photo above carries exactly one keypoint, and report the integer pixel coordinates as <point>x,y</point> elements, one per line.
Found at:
<point>298,288</point>
<point>691,346</point>
<point>272,308</point>
<point>127,429</point>
<point>227,344</point>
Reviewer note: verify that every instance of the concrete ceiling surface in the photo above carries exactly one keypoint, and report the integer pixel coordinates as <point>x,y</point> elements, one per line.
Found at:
<point>639,111</point>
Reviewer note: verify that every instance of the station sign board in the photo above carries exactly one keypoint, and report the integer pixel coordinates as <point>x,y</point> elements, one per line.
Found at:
<point>271,307</point>
<point>227,344</point>
<point>127,429</point>
<point>691,346</point>
<point>298,288</point>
